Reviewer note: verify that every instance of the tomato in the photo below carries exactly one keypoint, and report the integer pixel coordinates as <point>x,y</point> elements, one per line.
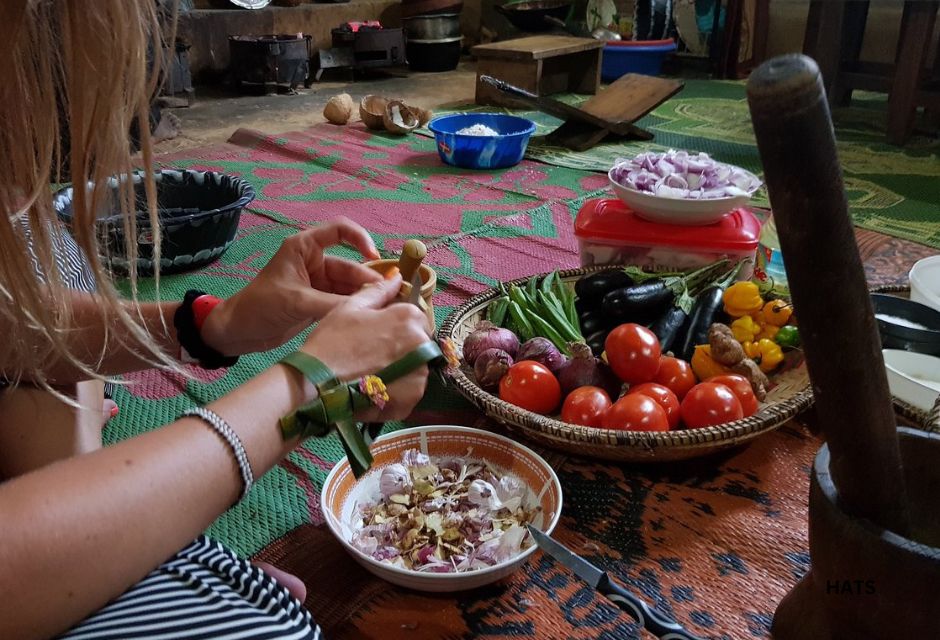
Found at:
<point>633,353</point>
<point>531,386</point>
<point>676,374</point>
<point>664,397</point>
<point>636,412</point>
<point>742,389</point>
<point>585,406</point>
<point>708,404</point>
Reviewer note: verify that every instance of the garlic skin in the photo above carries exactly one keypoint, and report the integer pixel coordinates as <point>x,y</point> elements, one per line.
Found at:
<point>395,479</point>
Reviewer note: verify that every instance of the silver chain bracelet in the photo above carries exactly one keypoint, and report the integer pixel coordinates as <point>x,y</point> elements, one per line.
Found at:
<point>228,434</point>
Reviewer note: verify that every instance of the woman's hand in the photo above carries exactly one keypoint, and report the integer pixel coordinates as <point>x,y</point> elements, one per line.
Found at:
<point>297,287</point>
<point>366,334</point>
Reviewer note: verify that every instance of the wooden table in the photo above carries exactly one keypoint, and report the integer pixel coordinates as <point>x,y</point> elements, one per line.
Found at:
<point>542,65</point>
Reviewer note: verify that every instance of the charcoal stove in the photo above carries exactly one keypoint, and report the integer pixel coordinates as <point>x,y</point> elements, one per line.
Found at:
<point>362,45</point>
<point>270,62</point>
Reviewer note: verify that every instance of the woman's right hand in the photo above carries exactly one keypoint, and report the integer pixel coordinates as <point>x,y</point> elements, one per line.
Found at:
<point>366,334</point>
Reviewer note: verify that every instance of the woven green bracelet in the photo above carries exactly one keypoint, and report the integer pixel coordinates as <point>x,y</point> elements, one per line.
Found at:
<point>310,420</point>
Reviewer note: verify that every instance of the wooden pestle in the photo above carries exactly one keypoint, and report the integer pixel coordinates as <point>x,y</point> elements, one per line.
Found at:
<point>412,254</point>
<point>827,282</point>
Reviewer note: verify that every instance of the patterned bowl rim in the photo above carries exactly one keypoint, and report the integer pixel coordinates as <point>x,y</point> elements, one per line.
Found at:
<point>767,418</point>
<point>335,527</point>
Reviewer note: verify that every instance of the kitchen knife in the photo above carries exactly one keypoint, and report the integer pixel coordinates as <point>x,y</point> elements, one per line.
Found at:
<point>653,621</point>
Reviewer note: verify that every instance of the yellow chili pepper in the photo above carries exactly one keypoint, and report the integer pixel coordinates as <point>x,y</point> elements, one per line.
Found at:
<point>742,299</point>
<point>777,312</point>
<point>770,355</point>
<point>704,366</point>
<point>751,350</point>
<point>767,331</point>
<point>745,329</point>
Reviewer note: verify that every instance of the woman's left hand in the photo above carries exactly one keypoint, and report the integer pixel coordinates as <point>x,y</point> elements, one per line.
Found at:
<point>296,288</point>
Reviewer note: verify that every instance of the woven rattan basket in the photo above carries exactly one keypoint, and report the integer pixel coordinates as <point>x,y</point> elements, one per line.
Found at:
<point>790,395</point>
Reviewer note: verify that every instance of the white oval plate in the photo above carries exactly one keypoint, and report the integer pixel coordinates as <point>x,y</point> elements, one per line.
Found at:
<point>913,377</point>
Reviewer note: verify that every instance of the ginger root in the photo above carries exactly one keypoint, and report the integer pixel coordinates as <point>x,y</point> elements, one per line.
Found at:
<point>726,350</point>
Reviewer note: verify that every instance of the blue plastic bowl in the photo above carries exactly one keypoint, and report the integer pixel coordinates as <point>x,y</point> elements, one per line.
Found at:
<point>635,57</point>
<point>482,152</point>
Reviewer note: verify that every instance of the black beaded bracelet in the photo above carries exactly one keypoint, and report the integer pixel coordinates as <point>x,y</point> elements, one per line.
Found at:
<point>191,341</point>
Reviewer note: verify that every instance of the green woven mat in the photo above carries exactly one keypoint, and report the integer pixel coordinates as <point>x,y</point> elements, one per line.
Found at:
<point>893,190</point>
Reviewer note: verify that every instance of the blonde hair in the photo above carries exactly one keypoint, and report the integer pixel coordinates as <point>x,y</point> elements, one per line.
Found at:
<point>86,69</point>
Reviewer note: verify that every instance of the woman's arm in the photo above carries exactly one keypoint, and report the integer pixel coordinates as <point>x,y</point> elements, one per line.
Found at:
<point>297,287</point>
<point>78,533</point>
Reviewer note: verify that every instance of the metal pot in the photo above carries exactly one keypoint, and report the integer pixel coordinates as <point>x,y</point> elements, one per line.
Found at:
<point>433,28</point>
<point>530,16</point>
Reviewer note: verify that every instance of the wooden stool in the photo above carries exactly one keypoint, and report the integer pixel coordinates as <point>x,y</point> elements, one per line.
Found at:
<point>833,37</point>
<point>542,65</point>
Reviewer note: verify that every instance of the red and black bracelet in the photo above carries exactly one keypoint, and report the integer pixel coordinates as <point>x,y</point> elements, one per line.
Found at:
<point>188,320</point>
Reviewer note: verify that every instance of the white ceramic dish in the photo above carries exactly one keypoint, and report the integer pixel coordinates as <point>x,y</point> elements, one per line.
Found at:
<point>925,282</point>
<point>913,377</point>
<point>342,492</point>
<point>677,210</point>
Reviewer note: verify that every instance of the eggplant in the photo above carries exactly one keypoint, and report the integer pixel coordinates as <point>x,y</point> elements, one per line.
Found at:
<point>596,342</point>
<point>704,313</point>
<point>592,322</point>
<point>595,286</point>
<point>639,302</point>
<point>669,326</point>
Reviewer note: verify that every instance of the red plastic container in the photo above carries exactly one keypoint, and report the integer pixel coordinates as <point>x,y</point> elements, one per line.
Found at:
<point>608,232</point>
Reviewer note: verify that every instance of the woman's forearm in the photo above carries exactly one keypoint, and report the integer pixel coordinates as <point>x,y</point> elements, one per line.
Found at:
<point>119,512</point>
<point>94,338</point>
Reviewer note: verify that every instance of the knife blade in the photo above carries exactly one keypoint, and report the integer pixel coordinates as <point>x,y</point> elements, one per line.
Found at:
<point>651,620</point>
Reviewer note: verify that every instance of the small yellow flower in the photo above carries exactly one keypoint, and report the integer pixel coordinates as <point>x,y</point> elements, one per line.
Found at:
<point>373,387</point>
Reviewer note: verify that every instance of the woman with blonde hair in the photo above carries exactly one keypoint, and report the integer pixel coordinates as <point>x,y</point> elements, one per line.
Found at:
<point>98,542</point>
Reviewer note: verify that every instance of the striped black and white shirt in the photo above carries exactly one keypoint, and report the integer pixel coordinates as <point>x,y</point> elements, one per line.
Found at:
<point>204,592</point>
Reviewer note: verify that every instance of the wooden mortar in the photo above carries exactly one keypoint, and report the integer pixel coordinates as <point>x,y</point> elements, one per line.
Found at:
<point>860,512</point>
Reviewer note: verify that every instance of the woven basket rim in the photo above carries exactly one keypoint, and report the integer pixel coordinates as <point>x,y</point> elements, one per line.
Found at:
<point>767,418</point>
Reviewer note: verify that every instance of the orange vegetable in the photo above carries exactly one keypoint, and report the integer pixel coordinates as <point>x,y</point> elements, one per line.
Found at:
<point>704,366</point>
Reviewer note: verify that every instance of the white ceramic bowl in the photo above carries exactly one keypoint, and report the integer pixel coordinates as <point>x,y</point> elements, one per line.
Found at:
<point>925,282</point>
<point>913,377</point>
<point>677,210</point>
<point>342,492</point>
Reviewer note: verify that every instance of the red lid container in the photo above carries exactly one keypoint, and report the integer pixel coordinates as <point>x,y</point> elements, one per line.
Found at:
<point>610,233</point>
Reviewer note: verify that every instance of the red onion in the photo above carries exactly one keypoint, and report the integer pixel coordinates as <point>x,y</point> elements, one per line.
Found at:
<point>490,367</point>
<point>679,174</point>
<point>584,370</point>
<point>543,351</point>
<point>488,336</point>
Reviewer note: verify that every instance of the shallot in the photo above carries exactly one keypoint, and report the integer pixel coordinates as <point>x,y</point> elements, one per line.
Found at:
<point>488,336</point>
<point>490,367</point>
<point>543,351</point>
<point>584,370</point>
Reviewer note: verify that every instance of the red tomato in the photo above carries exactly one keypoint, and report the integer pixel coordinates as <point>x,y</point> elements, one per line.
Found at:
<point>709,404</point>
<point>675,374</point>
<point>633,353</point>
<point>585,406</point>
<point>636,412</point>
<point>664,397</point>
<point>531,386</point>
<point>742,389</point>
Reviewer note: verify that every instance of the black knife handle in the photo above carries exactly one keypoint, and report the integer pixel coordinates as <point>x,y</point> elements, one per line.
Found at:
<point>653,621</point>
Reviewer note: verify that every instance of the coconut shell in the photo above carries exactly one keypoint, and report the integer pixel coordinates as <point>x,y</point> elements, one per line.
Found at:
<point>338,109</point>
<point>424,115</point>
<point>372,111</point>
<point>400,118</point>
